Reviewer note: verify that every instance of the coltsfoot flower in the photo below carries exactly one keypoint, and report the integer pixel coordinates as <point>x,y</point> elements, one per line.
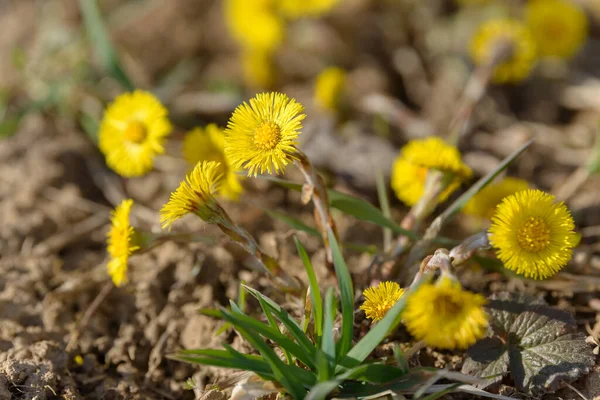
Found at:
<point>306,8</point>
<point>380,299</point>
<point>484,203</point>
<point>559,27</point>
<point>418,157</point>
<point>119,242</point>
<point>532,235</point>
<point>445,316</point>
<point>261,136</point>
<point>195,195</point>
<point>255,24</point>
<point>329,87</point>
<point>208,144</point>
<point>523,52</point>
<point>132,133</point>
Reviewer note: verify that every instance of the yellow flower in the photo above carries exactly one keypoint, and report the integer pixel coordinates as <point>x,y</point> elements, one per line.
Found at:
<point>306,8</point>
<point>258,67</point>
<point>119,242</point>
<point>533,236</point>
<point>559,27</point>
<point>379,299</point>
<point>484,203</point>
<point>195,195</point>
<point>328,87</point>
<point>523,51</point>
<point>416,158</point>
<point>208,144</point>
<point>261,136</point>
<point>254,23</point>
<point>445,316</point>
<point>132,133</point>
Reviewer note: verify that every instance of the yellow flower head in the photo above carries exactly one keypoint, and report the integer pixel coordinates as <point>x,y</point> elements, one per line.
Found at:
<point>208,144</point>
<point>195,195</point>
<point>132,133</point>
<point>523,53</point>
<point>261,136</point>
<point>259,71</point>
<point>255,23</point>
<point>379,299</point>
<point>306,8</point>
<point>445,316</point>
<point>532,235</point>
<point>559,27</point>
<point>484,203</point>
<point>329,87</point>
<point>119,242</point>
<point>409,172</point>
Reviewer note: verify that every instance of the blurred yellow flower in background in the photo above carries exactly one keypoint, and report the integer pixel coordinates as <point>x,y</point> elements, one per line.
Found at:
<point>208,144</point>
<point>559,27</point>
<point>261,136</point>
<point>259,71</point>
<point>132,133</point>
<point>379,299</point>
<point>445,316</point>
<point>119,246</point>
<point>255,24</point>
<point>195,195</point>
<point>306,8</point>
<point>532,235</point>
<point>416,158</point>
<point>329,86</point>
<point>484,203</point>
<point>522,49</point>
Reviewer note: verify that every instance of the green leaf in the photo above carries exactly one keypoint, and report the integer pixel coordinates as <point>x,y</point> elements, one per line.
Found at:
<point>8,126</point>
<point>538,344</point>
<point>100,39</point>
<point>346,294</point>
<point>293,222</point>
<point>224,358</point>
<point>315,292</point>
<point>384,203</point>
<point>328,341</point>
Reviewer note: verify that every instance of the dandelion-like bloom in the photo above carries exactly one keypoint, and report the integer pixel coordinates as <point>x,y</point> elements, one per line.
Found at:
<point>119,244</point>
<point>261,136</point>
<point>132,133</point>
<point>379,299</point>
<point>523,53</point>
<point>445,316</point>
<point>328,87</point>
<point>306,8</point>
<point>195,195</point>
<point>416,158</point>
<point>532,235</point>
<point>255,24</point>
<point>559,27</point>
<point>208,144</point>
<point>484,203</point>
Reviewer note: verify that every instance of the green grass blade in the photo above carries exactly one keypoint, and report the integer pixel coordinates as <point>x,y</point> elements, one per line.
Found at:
<point>328,342</point>
<point>315,292</point>
<point>293,222</point>
<point>223,358</point>
<point>100,40</point>
<point>384,203</point>
<point>346,294</point>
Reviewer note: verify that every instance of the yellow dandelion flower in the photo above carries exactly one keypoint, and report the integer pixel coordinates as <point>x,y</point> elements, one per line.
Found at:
<point>208,144</point>
<point>132,133</point>
<point>379,299</point>
<point>254,24</point>
<point>484,203</point>
<point>416,158</point>
<point>195,195</point>
<point>445,316</point>
<point>306,8</point>
<point>329,87</point>
<point>559,27</point>
<point>119,244</point>
<point>523,53</point>
<point>261,136</point>
<point>258,68</point>
<point>532,235</point>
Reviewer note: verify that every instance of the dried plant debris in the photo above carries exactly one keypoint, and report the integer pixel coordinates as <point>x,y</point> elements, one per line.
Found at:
<point>537,344</point>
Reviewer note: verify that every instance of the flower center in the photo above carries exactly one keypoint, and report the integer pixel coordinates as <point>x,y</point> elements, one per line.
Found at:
<point>267,136</point>
<point>446,306</point>
<point>534,235</point>
<point>135,132</point>
<point>383,308</point>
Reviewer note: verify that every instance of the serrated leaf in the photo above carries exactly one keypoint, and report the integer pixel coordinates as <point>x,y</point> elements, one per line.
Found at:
<point>539,345</point>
